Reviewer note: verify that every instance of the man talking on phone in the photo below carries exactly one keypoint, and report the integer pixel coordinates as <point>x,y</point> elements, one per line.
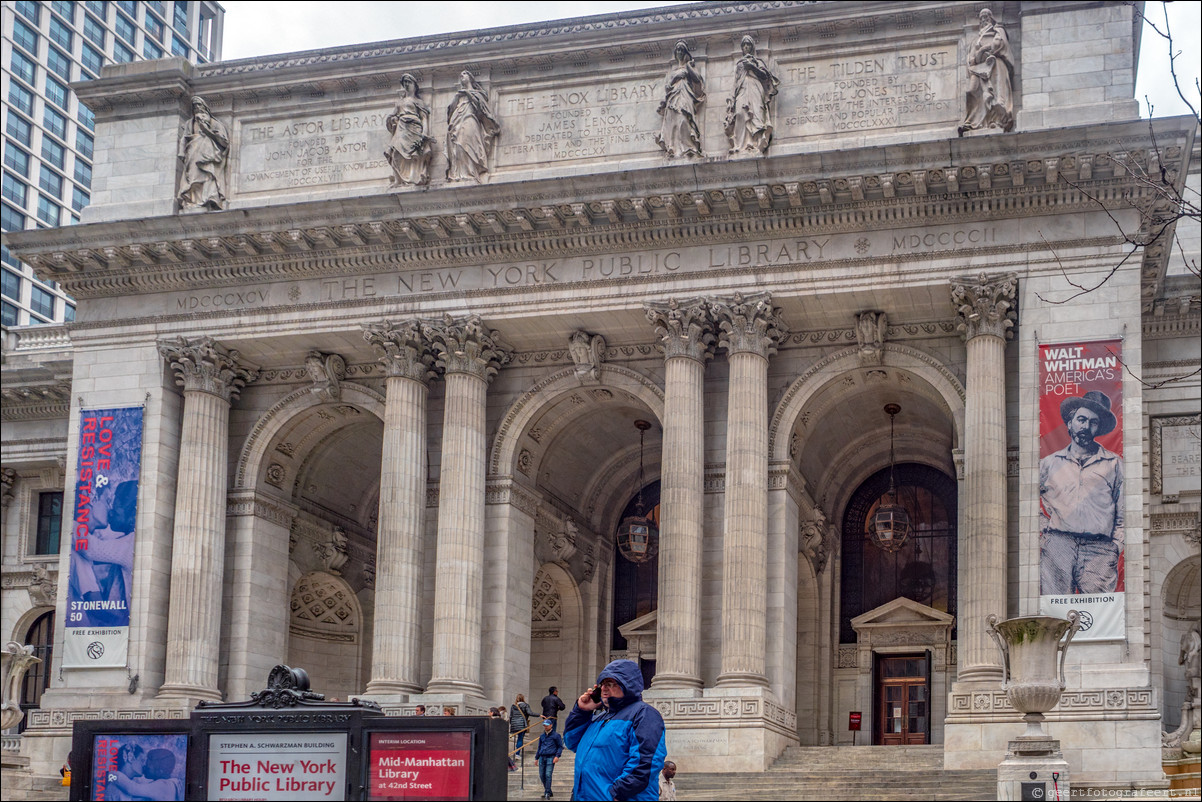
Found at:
<point>617,737</point>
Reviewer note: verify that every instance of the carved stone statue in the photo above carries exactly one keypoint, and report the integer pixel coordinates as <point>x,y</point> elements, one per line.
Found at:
<point>410,146</point>
<point>472,129</point>
<point>42,589</point>
<point>870,336</point>
<point>1190,656</point>
<point>684,92</point>
<point>203,148</point>
<point>588,351</point>
<point>748,114</point>
<point>326,371</point>
<point>814,535</point>
<point>334,552</point>
<point>17,660</point>
<point>989,102</point>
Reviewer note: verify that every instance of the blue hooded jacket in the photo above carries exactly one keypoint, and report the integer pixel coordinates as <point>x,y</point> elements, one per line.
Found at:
<point>620,750</point>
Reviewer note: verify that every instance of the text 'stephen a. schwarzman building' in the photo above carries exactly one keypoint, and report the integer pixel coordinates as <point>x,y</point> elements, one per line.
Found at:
<point>773,345</point>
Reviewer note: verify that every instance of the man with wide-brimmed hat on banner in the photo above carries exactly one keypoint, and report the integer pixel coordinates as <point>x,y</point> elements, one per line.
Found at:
<point>1081,503</point>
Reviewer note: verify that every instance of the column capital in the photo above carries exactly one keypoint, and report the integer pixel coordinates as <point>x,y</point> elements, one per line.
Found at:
<point>986,304</point>
<point>685,328</point>
<point>402,348</point>
<point>467,346</point>
<point>204,365</point>
<point>749,324</point>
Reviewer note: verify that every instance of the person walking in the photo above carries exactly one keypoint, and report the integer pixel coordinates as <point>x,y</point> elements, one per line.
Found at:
<point>552,704</point>
<point>519,719</point>
<point>550,747</point>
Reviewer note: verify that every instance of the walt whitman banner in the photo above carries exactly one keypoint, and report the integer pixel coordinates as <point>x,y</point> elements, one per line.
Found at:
<point>1081,533</point>
<point>102,538</point>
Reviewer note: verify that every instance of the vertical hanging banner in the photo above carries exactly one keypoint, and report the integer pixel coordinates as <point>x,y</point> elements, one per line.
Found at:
<point>1081,533</point>
<point>102,538</point>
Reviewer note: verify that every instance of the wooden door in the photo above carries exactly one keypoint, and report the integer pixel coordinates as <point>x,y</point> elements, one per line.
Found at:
<point>903,701</point>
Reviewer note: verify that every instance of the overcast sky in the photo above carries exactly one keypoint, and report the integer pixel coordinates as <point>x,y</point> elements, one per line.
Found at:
<point>264,28</point>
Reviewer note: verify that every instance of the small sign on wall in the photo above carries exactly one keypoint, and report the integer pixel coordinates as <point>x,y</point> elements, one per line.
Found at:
<point>853,720</point>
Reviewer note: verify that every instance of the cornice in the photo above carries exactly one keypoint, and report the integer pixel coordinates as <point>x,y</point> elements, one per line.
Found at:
<point>35,402</point>
<point>1172,318</point>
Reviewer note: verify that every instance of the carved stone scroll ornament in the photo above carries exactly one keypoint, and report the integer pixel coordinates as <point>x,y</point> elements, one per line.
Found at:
<point>8,478</point>
<point>468,346</point>
<point>204,148</point>
<point>402,348</point>
<point>870,336</point>
<point>410,147</point>
<point>749,324</point>
<point>814,536</point>
<point>588,352</point>
<point>748,109</point>
<point>986,305</point>
<point>685,328</point>
<point>203,365</point>
<point>684,92</point>
<point>17,661</point>
<point>326,371</point>
<point>43,590</point>
<point>472,130</point>
<point>989,101</point>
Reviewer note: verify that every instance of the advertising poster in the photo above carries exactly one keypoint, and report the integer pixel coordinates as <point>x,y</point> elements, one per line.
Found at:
<point>419,765</point>
<point>294,765</point>
<point>1081,533</point>
<point>135,766</point>
<point>102,538</point>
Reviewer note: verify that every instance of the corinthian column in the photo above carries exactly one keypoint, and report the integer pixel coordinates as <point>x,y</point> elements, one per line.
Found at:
<point>985,307</point>
<point>396,636</point>
<point>470,353</point>
<point>212,376</point>
<point>750,328</point>
<point>686,333</point>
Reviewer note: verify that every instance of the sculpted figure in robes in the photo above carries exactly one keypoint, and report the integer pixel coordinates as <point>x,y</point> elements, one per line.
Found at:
<point>748,117</point>
<point>684,93</point>
<point>410,147</point>
<point>989,102</point>
<point>472,129</point>
<point>203,149</point>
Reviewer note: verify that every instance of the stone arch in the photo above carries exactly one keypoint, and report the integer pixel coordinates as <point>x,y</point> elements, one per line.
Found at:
<point>557,642</point>
<point>1181,606</point>
<point>325,628</point>
<point>796,399</point>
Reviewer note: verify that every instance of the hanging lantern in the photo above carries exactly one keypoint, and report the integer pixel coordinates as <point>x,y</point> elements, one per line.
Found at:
<point>638,537</point>
<point>891,523</point>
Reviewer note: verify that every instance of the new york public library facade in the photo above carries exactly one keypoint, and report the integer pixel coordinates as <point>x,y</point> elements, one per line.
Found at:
<point>391,319</point>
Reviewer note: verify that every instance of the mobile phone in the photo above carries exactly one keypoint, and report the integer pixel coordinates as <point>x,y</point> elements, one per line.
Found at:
<point>596,694</point>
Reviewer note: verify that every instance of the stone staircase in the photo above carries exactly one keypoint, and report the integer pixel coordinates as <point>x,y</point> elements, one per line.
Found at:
<point>817,772</point>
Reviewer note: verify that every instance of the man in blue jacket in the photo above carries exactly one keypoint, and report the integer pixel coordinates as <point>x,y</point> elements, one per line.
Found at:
<point>619,741</point>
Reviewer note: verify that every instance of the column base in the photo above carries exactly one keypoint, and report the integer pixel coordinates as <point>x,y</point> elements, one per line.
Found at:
<point>977,674</point>
<point>724,729</point>
<point>666,682</point>
<point>460,704</point>
<point>188,693</point>
<point>741,679</point>
<point>390,687</point>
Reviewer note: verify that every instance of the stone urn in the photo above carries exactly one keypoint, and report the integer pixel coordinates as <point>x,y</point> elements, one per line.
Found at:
<point>1033,649</point>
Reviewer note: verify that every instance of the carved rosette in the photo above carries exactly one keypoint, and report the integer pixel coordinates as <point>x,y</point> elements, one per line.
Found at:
<point>402,348</point>
<point>468,346</point>
<point>685,328</point>
<point>986,305</point>
<point>203,365</point>
<point>749,324</point>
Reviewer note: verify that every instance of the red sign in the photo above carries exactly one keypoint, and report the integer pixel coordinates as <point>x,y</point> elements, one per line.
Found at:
<point>419,765</point>
<point>853,720</point>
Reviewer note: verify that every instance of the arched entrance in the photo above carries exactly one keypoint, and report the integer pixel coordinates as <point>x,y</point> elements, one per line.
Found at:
<point>40,636</point>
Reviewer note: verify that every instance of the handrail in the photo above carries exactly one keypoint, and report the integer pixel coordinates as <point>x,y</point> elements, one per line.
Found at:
<point>518,732</point>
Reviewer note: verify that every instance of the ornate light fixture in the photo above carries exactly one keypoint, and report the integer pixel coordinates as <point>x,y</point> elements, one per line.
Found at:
<point>891,523</point>
<point>638,537</point>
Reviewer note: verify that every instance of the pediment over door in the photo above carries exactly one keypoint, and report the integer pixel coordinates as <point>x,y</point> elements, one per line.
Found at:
<point>903,622</point>
<point>640,634</point>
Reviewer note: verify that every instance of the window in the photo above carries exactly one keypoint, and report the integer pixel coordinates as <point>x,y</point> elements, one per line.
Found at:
<point>53,152</point>
<point>65,9</point>
<point>11,219</point>
<point>55,123</point>
<point>14,189</point>
<point>26,37</point>
<point>10,286</point>
<point>154,26</point>
<point>157,5</point>
<point>7,257</point>
<point>49,213</point>
<point>24,68</point>
<point>68,313</point>
<point>19,129</point>
<point>125,29</point>
<point>150,50</point>
<point>42,302</point>
<point>16,158</point>
<point>85,117</point>
<point>179,47</point>
<point>129,7</point>
<point>56,93</point>
<point>50,520</point>
<point>121,53</point>
<point>84,143</point>
<point>93,30</point>
<point>30,10</point>
<point>83,173</point>
<point>79,199</point>
<point>51,182</point>
<point>9,314</point>
<point>91,59</point>
<point>180,18</point>
<point>21,98</point>
<point>98,7</point>
<point>58,63</point>
<point>61,33</point>
<point>37,679</point>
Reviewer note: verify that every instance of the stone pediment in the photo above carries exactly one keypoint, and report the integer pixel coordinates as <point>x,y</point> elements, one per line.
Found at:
<point>644,625</point>
<point>901,613</point>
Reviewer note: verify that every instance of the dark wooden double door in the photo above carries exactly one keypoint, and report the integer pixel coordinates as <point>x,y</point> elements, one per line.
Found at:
<point>903,700</point>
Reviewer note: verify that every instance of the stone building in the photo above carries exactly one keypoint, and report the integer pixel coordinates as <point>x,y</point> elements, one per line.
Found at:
<point>389,361</point>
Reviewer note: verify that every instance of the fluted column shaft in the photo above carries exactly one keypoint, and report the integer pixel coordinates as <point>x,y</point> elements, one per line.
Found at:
<point>212,377</point>
<point>750,328</point>
<point>686,334</point>
<point>985,306</point>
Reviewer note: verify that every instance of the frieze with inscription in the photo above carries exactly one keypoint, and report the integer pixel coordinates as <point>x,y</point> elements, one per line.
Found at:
<point>314,150</point>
